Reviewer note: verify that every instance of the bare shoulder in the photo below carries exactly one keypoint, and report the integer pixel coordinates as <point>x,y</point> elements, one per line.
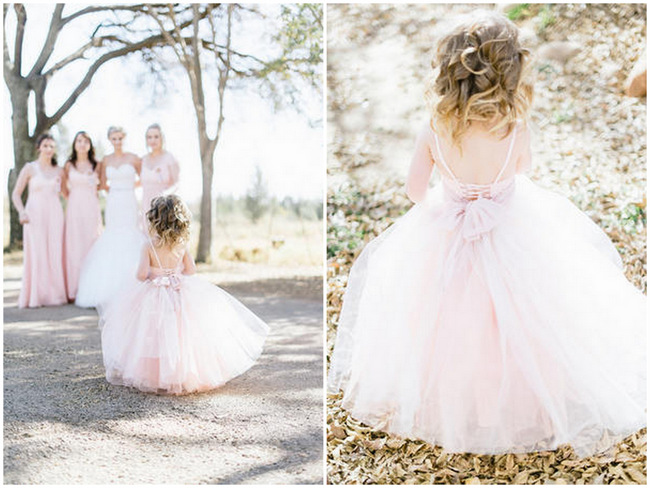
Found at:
<point>29,168</point>
<point>108,160</point>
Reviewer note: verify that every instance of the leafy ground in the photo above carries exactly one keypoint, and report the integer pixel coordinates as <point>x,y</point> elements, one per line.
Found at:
<point>589,144</point>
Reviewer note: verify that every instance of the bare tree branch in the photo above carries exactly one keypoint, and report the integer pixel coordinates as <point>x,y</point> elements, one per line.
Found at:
<point>104,8</point>
<point>78,54</point>
<point>7,64</point>
<point>317,17</point>
<point>167,35</point>
<point>21,16</point>
<point>50,41</point>
<point>85,82</point>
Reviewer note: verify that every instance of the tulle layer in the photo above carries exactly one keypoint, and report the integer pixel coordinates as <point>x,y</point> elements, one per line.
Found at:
<point>515,333</point>
<point>113,259</point>
<point>178,339</point>
<point>111,262</point>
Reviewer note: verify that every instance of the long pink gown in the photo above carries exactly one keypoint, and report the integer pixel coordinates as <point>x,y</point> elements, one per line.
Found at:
<point>177,334</point>
<point>154,182</point>
<point>83,224</point>
<point>43,281</point>
<point>490,319</point>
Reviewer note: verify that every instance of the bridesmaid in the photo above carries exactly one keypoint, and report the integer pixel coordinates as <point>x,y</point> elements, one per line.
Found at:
<point>83,219</point>
<point>42,219</point>
<point>160,169</point>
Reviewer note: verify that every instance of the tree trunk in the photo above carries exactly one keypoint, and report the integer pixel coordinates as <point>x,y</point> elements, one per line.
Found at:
<point>23,153</point>
<point>205,235</point>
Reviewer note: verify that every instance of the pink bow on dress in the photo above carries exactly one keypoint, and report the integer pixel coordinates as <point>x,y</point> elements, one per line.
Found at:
<point>172,282</point>
<point>169,280</point>
<point>476,218</point>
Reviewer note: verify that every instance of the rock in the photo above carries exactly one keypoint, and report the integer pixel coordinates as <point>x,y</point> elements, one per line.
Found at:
<point>636,83</point>
<point>559,50</point>
<point>608,72</point>
<point>528,37</point>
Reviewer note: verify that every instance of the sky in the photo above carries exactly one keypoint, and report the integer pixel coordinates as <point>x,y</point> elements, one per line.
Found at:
<point>289,151</point>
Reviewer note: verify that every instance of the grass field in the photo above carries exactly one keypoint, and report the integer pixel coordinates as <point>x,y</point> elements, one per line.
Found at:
<point>280,239</point>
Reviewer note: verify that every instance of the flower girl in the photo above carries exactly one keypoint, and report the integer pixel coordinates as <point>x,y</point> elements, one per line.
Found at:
<point>172,332</point>
<point>494,316</point>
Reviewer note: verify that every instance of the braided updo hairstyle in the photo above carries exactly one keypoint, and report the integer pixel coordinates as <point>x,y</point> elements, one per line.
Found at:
<point>482,76</point>
<point>169,219</point>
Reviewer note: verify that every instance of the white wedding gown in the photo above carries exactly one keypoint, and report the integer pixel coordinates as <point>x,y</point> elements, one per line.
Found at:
<point>115,255</point>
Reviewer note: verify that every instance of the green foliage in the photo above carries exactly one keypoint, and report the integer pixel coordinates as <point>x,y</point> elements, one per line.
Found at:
<point>546,19</point>
<point>519,12</point>
<point>299,63</point>
<point>633,218</point>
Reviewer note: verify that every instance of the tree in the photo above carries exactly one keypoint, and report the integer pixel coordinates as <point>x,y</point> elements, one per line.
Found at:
<point>113,34</point>
<point>209,46</point>
<point>257,196</point>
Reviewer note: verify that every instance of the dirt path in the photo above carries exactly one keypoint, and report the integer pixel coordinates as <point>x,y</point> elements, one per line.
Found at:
<point>64,424</point>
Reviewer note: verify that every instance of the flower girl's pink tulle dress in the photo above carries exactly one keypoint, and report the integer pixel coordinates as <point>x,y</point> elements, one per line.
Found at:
<point>83,224</point>
<point>490,319</point>
<point>43,280</point>
<point>177,334</point>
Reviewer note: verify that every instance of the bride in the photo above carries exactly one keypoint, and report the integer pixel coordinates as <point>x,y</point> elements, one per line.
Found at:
<point>115,255</point>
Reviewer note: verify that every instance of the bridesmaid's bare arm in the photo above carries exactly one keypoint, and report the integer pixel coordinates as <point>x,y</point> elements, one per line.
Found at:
<point>101,167</point>
<point>137,164</point>
<point>422,163</point>
<point>189,267</point>
<point>174,171</point>
<point>16,195</point>
<point>143,267</point>
<point>65,191</point>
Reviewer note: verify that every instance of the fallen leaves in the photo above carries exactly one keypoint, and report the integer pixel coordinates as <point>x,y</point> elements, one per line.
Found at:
<point>589,144</point>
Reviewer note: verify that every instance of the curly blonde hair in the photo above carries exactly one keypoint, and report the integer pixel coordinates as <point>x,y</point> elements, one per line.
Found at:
<point>482,76</point>
<point>169,220</point>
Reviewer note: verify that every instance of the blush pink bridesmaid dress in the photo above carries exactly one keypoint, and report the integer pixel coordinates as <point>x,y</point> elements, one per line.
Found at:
<point>83,224</point>
<point>493,318</point>
<point>154,183</point>
<point>43,281</point>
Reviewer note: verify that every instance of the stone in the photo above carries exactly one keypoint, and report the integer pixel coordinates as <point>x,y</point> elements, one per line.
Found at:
<point>636,83</point>
<point>559,50</point>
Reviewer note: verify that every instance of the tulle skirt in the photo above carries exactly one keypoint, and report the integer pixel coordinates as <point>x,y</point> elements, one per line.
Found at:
<point>113,259</point>
<point>176,341</point>
<point>522,340</point>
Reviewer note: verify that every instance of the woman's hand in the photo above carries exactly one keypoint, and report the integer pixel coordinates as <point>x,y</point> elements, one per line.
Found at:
<point>23,217</point>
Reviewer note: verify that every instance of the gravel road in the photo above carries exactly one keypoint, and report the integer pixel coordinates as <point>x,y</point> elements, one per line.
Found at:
<point>64,424</point>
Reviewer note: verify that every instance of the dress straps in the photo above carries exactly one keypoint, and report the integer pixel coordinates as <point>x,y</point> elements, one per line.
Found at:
<point>512,145</point>
<point>153,248</point>
<point>442,158</point>
<point>503,168</point>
